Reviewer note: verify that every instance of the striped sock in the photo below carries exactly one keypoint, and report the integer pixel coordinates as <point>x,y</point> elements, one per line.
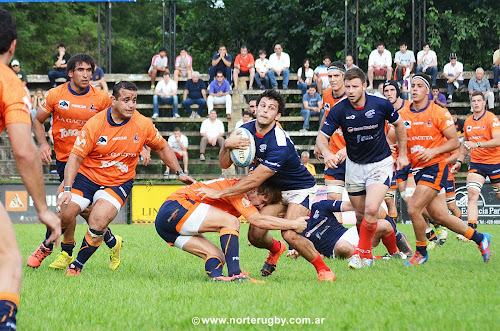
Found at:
<point>109,238</point>
<point>85,251</point>
<point>213,266</point>
<point>8,310</point>
<point>229,242</point>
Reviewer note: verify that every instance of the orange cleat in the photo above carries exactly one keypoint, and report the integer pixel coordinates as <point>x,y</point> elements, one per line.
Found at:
<point>326,276</point>
<point>272,260</point>
<point>73,271</point>
<point>36,258</point>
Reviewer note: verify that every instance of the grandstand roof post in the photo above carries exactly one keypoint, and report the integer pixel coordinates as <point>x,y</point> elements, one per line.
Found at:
<point>351,26</point>
<point>172,33</point>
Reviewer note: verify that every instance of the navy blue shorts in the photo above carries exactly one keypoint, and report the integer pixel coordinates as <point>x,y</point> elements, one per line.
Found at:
<point>336,173</point>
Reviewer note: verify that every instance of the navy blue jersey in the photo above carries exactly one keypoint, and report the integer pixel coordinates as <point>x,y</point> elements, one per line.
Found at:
<point>276,151</point>
<point>323,229</point>
<point>363,129</point>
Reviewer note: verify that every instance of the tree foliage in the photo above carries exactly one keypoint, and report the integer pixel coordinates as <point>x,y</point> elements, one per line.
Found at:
<point>305,28</point>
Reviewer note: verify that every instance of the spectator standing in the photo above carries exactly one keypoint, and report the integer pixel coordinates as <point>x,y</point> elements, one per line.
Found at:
<point>21,74</point>
<point>195,92</point>
<point>304,158</point>
<point>280,65</point>
<point>306,76</point>
<point>405,61</point>
<point>244,65</point>
<point>453,72</point>
<point>427,62</point>
<point>262,66</point>
<point>221,62</point>
<point>183,66</point>
<point>321,72</point>
<point>438,98</point>
<point>165,93</point>
<point>481,84</point>
<point>159,66</point>
<point>60,61</point>
<point>98,79</point>
<point>179,144</point>
<point>212,132</point>
<point>312,105</point>
<point>379,64</point>
<point>219,93</point>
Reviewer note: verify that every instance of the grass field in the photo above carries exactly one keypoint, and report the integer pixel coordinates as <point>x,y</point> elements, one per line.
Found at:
<point>158,287</point>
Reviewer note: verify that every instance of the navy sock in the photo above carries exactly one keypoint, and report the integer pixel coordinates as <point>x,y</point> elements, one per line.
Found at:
<point>47,235</point>
<point>68,247</point>
<point>477,237</point>
<point>8,311</point>
<point>109,238</point>
<point>213,266</point>
<point>422,247</point>
<point>399,236</point>
<point>229,242</point>
<point>85,252</point>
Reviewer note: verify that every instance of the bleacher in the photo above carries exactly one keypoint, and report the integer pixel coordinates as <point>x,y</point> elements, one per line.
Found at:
<point>291,121</point>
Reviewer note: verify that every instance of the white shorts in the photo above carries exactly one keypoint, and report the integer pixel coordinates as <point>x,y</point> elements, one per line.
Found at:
<point>100,194</point>
<point>351,236</point>
<point>192,225</point>
<point>304,197</point>
<point>359,176</point>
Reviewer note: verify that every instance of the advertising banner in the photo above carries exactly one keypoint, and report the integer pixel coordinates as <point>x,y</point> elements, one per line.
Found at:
<point>147,200</point>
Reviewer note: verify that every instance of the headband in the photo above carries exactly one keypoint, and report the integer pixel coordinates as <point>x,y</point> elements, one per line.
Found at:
<point>423,80</point>
<point>335,68</point>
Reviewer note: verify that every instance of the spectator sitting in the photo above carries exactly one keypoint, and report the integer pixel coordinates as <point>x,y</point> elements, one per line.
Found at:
<point>379,64</point>
<point>438,98</point>
<point>380,91</point>
<point>16,66</point>
<point>36,102</point>
<point>179,144</point>
<point>312,105</point>
<point>212,132</point>
<point>481,84</point>
<point>405,61</point>
<point>159,66</point>
<point>304,157</point>
<point>459,124</point>
<point>280,64</point>
<point>98,80</point>
<point>427,62</point>
<point>406,87</point>
<point>496,68</point>
<point>60,61</point>
<point>183,66</point>
<point>245,117</point>
<point>453,72</point>
<point>262,67</point>
<point>321,72</point>
<point>305,76</point>
<point>165,93</point>
<point>219,93</point>
<point>221,62</point>
<point>195,92</point>
<point>244,65</point>
<point>349,63</point>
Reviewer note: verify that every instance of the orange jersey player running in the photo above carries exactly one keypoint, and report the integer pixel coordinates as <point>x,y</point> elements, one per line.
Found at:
<point>71,105</point>
<point>101,166</point>
<point>482,141</point>
<point>431,134</point>
<point>15,116</point>
<point>184,216</point>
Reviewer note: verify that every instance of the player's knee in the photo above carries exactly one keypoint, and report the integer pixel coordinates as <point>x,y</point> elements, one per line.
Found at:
<point>371,210</point>
<point>291,237</point>
<point>343,249</point>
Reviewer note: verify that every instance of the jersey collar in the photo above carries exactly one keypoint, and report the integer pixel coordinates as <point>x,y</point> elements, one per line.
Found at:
<point>74,93</point>
<point>110,119</point>
<point>477,119</point>
<point>421,110</point>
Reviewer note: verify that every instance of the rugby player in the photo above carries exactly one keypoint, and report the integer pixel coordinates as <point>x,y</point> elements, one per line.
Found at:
<point>369,162</point>
<point>277,160</point>
<point>184,216</point>
<point>482,141</point>
<point>102,163</point>
<point>71,105</point>
<point>15,107</point>
<point>431,134</point>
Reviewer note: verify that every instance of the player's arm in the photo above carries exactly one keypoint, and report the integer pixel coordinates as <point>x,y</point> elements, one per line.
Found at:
<point>257,177</point>
<point>492,143</point>
<point>322,144</point>
<point>70,172</point>
<point>450,133</point>
<point>30,168</point>
<point>39,131</point>
<point>233,141</point>
<point>463,151</point>
<point>167,155</point>
<point>268,222</point>
<point>400,130</point>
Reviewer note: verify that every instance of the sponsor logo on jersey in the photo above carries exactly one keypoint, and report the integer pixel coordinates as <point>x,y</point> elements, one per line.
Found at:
<point>350,117</point>
<point>69,133</point>
<point>80,141</point>
<point>469,128</point>
<point>407,124</point>
<point>92,107</point>
<point>136,138</point>
<point>262,148</point>
<point>370,113</point>
<point>416,149</point>
<point>80,106</point>
<point>103,140</point>
<point>429,123</point>
<point>450,122</point>
<point>361,138</point>
<point>496,123</point>
<point>120,138</point>
<point>63,104</point>
<point>246,203</point>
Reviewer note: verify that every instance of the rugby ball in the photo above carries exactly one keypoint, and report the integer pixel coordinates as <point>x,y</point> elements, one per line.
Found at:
<point>243,157</point>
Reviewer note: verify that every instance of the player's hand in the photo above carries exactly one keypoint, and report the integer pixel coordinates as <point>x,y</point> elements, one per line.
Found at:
<point>45,153</point>
<point>146,156</point>
<point>236,141</point>
<point>293,254</point>
<point>208,193</point>
<point>318,154</point>
<point>331,160</point>
<point>64,198</point>
<point>456,167</point>
<point>401,162</point>
<point>342,155</point>
<point>426,155</point>
<point>53,223</point>
<point>186,179</point>
<point>300,224</point>
<point>469,145</point>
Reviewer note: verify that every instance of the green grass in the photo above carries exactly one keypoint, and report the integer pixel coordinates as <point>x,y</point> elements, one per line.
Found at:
<point>160,287</point>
